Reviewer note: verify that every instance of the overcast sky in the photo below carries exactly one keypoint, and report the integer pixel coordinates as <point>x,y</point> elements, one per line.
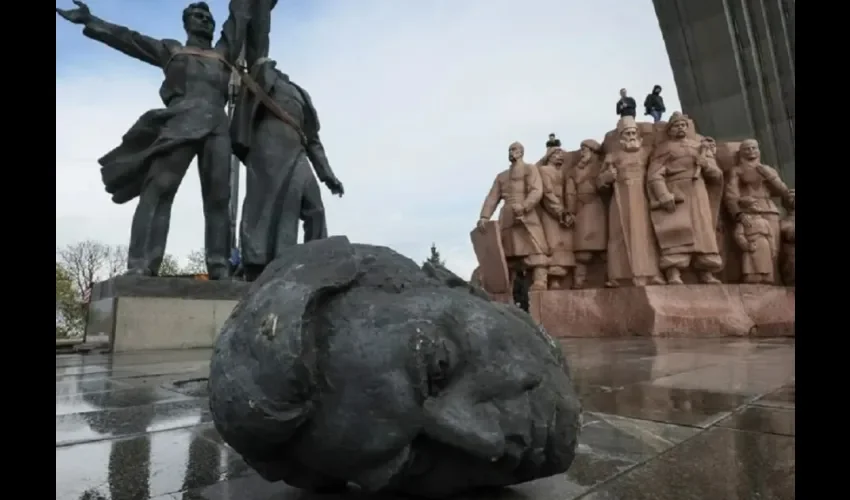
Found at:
<point>418,102</point>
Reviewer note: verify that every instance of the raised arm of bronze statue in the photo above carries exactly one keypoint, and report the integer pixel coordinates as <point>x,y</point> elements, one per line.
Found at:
<point>198,22</point>
<point>120,38</point>
<point>155,153</point>
<point>259,26</point>
<point>235,29</point>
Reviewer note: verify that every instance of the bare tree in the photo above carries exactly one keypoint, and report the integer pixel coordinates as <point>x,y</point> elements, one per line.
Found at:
<point>117,261</point>
<point>85,263</point>
<point>169,266</point>
<point>197,262</point>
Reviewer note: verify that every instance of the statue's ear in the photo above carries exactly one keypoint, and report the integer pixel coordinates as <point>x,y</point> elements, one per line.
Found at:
<point>293,285</point>
<point>452,280</point>
<point>316,264</point>
<point>264,372</point>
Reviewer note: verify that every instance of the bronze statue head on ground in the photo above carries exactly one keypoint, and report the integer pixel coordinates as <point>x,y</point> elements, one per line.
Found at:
<point>348,363</point>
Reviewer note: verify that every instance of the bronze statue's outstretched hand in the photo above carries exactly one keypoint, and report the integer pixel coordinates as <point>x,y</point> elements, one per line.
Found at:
<point>335,185</point>
<point>80,15</point>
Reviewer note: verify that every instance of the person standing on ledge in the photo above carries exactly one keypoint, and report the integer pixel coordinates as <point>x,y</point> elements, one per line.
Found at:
<point>626,106</point>
<point>654,104</point>
<point>553,142</point>
<point>155,153</point>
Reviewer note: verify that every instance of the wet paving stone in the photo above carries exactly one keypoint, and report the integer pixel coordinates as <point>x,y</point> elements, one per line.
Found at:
<point>194,387</point>
<point>609,445</point>
<point>65,388</point>
<point>665,419</point>
<point>109,374</point>
<point>664,404</point>
<point>754,376</point>
<point>782,398</point>
<point>86,369</point>
<point>105,424</point>
<point>146,466</point>
<point>628,438</point>
<point>617,375</point>
<point>123,398</point>
<point>718,463</point>
<point>762,419</point>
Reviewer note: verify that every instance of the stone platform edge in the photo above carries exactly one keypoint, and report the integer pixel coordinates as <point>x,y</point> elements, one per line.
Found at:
<point>700,311</point>
<point>168,287</point>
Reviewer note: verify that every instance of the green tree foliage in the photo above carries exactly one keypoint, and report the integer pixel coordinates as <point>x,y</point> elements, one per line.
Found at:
<point>69,317</point>
<point>434,258</point>
<point>78,267</point>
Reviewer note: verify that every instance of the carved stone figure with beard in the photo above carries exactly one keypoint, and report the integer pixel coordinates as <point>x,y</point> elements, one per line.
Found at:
<point>679,181</point>
<point>632,249</point>
<point>751,178</point>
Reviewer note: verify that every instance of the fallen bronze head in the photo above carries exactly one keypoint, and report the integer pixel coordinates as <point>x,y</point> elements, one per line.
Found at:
<point>348,364</point>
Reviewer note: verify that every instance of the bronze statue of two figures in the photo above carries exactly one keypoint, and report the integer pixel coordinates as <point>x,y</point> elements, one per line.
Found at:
<point>274,132</point>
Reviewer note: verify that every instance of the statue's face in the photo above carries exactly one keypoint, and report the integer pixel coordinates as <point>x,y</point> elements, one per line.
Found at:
<point>710,146</point>
<point>630,139</point>
<point>468,394</point>
<point>586,153</point>
<point>363,369</point>
<point>515,152</point>
<point>750,150</point>
<point>200,23</point>
<point>678,129</point>
<point>557,158</point>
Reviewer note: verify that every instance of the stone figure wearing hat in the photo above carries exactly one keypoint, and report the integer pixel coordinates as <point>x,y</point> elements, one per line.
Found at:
<point>557,219</point>
<point>679,179</point>
<point>585,201</point>
<point>754,237</point>
<point>750,177</point>
<point>632,250</point>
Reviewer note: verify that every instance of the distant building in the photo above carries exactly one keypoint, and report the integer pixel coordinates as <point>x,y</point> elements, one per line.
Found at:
<point>733,62</point>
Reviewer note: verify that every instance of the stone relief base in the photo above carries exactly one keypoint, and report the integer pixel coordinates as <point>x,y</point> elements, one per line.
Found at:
<point>667,311</point>
<point>142,313</point>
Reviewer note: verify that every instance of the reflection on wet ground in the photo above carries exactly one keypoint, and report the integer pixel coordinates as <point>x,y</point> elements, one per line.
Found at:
<point>664,419</point>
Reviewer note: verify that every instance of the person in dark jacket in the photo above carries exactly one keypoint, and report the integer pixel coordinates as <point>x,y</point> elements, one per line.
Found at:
<point>626,106</point>
<point>553,142</point>
<point>654,104</point>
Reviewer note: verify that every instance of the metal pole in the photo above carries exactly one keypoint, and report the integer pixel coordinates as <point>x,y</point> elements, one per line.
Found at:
<point>233,88</point>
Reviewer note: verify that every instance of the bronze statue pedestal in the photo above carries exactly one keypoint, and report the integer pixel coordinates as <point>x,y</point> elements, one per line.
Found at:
<point>143,313</point>
<point>691,310</point>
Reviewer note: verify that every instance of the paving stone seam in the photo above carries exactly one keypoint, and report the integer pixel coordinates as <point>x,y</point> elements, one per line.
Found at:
<point>136,435</point>
<point>700,431</point>
<point>750,431</point>
<point>641,463</point>
<point>155,403</point>
<point>128,388</point>
<point>95,375</point>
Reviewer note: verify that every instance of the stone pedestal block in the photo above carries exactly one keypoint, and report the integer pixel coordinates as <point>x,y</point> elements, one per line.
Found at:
<point>667,311</point>
<point>144,313</point>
